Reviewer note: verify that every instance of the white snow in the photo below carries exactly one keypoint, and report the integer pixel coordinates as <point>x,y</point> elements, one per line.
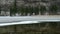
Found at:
<point>4,21</point>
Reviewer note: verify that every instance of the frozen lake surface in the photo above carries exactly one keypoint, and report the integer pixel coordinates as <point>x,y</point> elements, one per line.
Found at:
<point>7,20</point>
<point>27,18</point>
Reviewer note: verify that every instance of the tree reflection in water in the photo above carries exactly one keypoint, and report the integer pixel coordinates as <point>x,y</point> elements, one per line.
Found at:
<point>37,28</point>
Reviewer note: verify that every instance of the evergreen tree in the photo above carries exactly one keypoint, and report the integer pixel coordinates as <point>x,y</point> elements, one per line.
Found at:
<point>53,9</point>
<point>11,12</point>
<point>15,6</point>
<point>36,10</point>
<point>31,9</point>
<point>26,11</point>
<point>22,11</point>
<point>42,9</point>
<point>13,9</point>
<point>0,10</point>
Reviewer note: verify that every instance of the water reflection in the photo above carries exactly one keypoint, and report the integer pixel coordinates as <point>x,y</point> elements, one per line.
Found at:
<point>45,28</point>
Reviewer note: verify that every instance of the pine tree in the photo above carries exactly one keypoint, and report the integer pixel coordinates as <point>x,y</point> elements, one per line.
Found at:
<point>36,10</point>
<point>0,10</point>
<point>53,9</point>
<point>13,9</point>
<point>42,10</point>
<point>26,11</point>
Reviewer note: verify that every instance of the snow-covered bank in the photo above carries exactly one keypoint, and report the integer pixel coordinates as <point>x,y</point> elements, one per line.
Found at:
<point>15,23</point>
<point>27,18</point>
<point>7,20</point>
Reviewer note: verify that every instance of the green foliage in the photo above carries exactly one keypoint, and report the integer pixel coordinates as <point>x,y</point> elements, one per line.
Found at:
<point>26,10</point>
<point>36,10</point>
<point>13,9</point>
<point>54,8</point>
<point>42,9</point>
<point>0,10</point>
<point>30,10</point>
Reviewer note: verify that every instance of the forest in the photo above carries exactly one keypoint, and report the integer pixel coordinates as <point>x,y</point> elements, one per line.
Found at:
<point>32,10</point>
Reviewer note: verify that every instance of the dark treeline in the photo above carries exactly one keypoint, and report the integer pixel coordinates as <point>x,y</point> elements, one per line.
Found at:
<point>30,10</point>
<point>24,11</point>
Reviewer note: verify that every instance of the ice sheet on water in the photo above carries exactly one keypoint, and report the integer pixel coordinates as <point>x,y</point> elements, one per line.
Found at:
<point>15,23</point>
